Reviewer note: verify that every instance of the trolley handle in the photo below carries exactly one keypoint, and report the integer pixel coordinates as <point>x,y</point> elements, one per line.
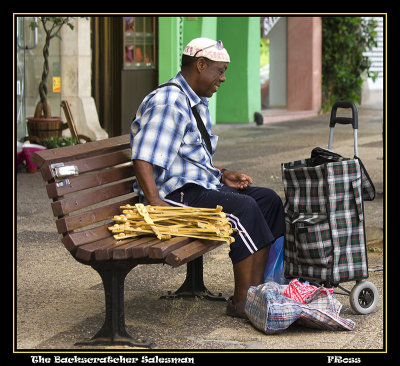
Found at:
<point>344,120</point>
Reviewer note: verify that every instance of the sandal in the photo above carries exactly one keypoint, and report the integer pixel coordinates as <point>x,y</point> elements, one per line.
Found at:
<point>236,310</point>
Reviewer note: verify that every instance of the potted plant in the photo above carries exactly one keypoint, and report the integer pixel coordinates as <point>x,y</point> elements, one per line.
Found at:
<point>43,124</point>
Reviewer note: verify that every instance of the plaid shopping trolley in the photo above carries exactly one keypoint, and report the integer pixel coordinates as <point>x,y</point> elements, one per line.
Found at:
<point>324,214</point>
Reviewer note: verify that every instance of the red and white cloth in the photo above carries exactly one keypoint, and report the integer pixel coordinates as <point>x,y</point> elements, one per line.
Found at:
<point>303,292</point>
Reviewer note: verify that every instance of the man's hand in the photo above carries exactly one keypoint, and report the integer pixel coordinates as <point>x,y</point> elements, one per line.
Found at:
<point>236,179</point>
<point>158,202</point>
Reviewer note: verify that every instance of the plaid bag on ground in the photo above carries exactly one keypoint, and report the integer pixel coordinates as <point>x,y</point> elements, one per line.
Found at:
<point>325,235</point>
<point>272,312</point>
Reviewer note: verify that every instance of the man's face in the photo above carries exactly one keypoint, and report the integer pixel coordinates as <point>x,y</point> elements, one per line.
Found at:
<point>212,76</point>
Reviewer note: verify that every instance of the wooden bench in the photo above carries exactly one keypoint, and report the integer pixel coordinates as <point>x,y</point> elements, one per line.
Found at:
<point>84,205</point>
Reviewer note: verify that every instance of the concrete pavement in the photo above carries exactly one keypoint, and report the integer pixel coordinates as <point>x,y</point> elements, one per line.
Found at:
<point>60,301</point>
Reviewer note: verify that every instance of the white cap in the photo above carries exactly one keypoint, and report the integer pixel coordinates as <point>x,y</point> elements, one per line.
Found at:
<point>206,47</point>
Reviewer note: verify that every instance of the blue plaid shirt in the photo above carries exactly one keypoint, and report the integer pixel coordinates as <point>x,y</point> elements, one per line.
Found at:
<point>165,134</point>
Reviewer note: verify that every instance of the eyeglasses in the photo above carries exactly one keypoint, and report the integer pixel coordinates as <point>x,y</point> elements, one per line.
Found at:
<point>219,45</point>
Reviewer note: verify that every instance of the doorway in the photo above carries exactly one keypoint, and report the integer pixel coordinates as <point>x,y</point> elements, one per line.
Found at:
<point>124,68</point>
<point>273,62</point>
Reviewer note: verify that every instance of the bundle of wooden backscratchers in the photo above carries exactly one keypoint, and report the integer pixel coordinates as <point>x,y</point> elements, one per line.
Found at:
<point>165,222</point>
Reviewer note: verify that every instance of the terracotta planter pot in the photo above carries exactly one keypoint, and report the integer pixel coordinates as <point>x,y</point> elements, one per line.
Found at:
<point>44,127</point>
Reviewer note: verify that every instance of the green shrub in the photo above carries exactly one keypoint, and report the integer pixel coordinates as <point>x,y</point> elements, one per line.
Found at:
<point>54,142</point>
<point>344,42</point>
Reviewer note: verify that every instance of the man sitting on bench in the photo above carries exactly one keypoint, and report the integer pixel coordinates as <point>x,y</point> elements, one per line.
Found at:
<point>172,148</point>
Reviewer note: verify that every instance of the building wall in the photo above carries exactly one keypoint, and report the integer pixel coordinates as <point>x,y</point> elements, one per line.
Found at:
<point>240,96</point>
<point>372,92</point>
<point>278,65</point>
<point>168,64</point>
<point>304,63</point>
<point>76,79</point>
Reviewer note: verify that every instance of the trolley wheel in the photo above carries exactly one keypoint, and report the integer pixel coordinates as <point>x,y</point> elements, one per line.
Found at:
<point>364,297</point>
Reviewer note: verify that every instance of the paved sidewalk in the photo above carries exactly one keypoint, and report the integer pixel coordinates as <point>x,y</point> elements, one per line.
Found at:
<point>60,301</point>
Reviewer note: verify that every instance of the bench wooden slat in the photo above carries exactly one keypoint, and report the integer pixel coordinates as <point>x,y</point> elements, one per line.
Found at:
<point>91,163</point>
<point>90,180</point>
<point>79,220</point>
<point>80,151</point>
<point>75,239</point>
<point>190,251</point>
<point>87,252</point>
<point>142,250</point>
<point>68,205</point>
<point>161,249</point>
<point>122,247</point>
<point>108,248</point>
<point>134,250</point>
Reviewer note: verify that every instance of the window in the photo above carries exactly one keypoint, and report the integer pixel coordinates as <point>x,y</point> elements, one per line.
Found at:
<point>139,43</point>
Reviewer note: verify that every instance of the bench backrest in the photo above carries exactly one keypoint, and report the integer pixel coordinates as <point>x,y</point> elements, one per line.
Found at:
<point>84,204</point>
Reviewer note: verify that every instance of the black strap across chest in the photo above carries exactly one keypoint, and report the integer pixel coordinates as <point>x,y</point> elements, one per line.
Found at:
<point>200,123</point>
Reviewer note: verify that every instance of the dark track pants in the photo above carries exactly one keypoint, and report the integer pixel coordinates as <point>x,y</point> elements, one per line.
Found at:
<point>256,211</point>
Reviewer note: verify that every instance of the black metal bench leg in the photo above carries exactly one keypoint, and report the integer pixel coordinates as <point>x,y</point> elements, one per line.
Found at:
<point>193,286</point>
<point>113,331</point>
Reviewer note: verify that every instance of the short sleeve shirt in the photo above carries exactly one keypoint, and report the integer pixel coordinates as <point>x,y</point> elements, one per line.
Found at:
<point>165,134</point>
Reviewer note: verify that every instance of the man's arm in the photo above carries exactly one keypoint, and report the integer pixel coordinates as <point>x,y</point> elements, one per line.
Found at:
<point>145,178</point>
